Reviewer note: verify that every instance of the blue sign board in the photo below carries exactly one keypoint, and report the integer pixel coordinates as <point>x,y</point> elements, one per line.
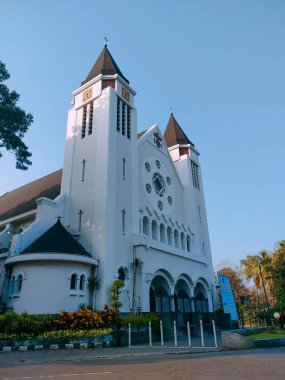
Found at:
<point>228,300</point>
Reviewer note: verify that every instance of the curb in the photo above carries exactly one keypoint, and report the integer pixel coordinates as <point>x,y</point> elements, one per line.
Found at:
<point>67,346</point>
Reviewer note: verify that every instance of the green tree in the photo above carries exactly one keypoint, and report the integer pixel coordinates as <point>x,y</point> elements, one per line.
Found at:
<point>93,284</point>
<point>14,123</point>
<point>259,268</point>
<point>116,293</point>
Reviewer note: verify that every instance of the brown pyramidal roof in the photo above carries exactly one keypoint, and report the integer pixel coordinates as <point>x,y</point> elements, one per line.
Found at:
<point>174,134</point>
<point>104,65</point>
<point>23,199</point>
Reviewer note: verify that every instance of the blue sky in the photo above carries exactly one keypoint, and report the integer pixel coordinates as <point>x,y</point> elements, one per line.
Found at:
<point>219,64</point>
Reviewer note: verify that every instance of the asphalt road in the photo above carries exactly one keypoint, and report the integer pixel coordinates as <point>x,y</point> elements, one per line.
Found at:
<point>258,364</point>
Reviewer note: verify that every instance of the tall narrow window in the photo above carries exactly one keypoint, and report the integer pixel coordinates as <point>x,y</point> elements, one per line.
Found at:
<point>73,281</point>
<point>129,123</point>
<point>90,121</point>
<point>80,219</point>
<point>123,221</point>
<point>19,283</point>
<point>199,212</point>
<point>124,168</point>
<point>82,282</point>
<point>84,117</point>
<point>118,114</point>
<point>83,170</point>
<point>195,175</point>
<point>12,285</point>
<point>123,119</point>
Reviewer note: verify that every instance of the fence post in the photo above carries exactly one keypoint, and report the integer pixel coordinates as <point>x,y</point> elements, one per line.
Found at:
<point>202,333</point>
<point>149,332</point>
<point>189,334</point>
<point>130,336</point>
<point>175,334</point>
<point>161,334</point>
<point>215,333</point>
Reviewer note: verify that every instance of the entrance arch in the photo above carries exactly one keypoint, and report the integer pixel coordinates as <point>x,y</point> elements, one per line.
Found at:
<point>182,297</point>
<point>201,298</point>
<point>160,295</point>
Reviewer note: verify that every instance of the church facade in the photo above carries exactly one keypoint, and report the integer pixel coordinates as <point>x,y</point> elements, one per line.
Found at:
<point>125,205</point>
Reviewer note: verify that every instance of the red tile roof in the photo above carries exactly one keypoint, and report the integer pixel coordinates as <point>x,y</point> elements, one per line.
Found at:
<point>23,199</point>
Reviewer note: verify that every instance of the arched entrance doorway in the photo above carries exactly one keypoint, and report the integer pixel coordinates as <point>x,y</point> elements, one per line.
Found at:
<point>160,295</point>
<point>182,302</point>
<point>201,302</point>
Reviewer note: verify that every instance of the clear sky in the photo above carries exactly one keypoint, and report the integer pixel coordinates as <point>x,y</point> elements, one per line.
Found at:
<point>219,64</point>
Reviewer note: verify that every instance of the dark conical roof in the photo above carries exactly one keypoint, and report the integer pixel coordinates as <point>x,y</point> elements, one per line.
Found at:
<point>174,135</point>
<point>105,65</point>
<point>56,240</point>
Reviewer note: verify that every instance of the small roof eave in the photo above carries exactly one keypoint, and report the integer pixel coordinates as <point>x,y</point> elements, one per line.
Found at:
<point>63,257</point>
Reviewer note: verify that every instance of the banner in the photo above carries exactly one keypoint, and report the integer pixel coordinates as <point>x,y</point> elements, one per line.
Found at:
<point>228,300</point>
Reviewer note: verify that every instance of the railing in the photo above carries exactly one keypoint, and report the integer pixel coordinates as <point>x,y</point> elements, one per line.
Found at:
<point>188,341</point>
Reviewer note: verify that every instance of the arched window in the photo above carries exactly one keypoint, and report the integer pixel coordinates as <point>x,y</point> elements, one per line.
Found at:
<point>73,281</point>
<point>201,303</point>
<point>162,233</point>
<point>182,302</point>
<point>188,242</point>
<point>154,230</point>
<point>162,300</point>
<point>12,286</point>
<point>146,226</point>
<point>176,238</point>
<point>182,237</point>
<point>19,283</point>
<point>121,274</point>
<point>169,236</point>
<point>82,282</point>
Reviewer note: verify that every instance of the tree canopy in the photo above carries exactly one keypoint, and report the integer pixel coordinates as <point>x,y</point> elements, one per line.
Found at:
<point>14,123</point>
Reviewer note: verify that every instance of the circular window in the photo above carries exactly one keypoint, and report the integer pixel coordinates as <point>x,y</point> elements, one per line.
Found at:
<point>169,200</point>
<point>158,184</point>
<point>148,188</point>
<point>160,205</point>
<point>168,180</point>
<point>158,164</point>
<point>147,166</point>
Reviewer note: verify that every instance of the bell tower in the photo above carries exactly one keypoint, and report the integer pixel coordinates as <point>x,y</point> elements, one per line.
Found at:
<point>100,166</point>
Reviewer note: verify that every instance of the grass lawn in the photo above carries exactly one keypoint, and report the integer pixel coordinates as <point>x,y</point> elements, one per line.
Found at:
<point>268,334</point>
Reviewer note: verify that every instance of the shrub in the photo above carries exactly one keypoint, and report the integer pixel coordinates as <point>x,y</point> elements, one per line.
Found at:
<point>75,333</point>
<point>85,319</point>
<point>141,320</point>
<point>22,324</point>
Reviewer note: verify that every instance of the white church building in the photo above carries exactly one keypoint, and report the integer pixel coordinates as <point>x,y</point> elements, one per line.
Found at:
<point>122,197</point>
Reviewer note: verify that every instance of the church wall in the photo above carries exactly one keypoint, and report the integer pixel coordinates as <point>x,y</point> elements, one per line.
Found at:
<point>155,260</point>
<point>148,152</point>
<point>46,288</point>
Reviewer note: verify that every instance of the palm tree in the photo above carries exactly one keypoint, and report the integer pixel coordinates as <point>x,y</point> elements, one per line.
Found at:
<point>93,285</point>
<point>259,269</point>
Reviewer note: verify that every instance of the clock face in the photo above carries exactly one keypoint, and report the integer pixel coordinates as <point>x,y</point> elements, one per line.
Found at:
<point>158,184</point>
